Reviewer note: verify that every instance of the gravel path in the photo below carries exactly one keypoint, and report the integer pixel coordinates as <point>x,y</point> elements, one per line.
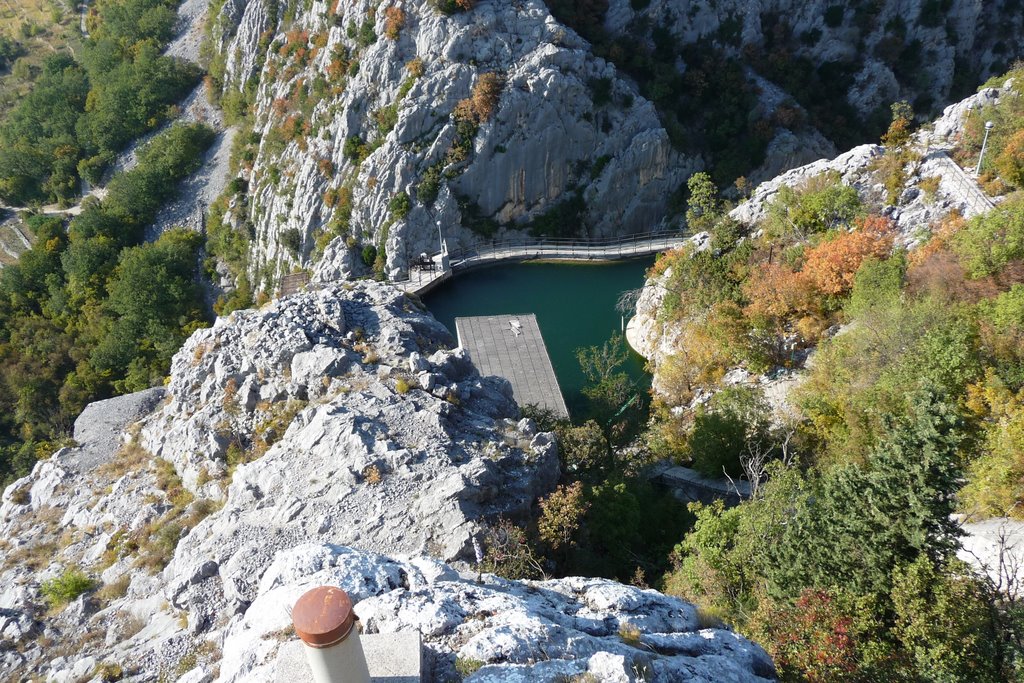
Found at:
<point>190,30</point>
<point>198,191</point>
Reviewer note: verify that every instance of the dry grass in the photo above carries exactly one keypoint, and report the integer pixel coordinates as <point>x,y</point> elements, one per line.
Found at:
<point>372,475</point>
<point>133,625</point>
<point>15,13</point>
<point>130,458</point>
<point>34,556</point>
<point>42,27</point>
<point>114,590</point>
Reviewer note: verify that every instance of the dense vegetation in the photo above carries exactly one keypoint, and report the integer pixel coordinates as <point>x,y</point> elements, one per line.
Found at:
<point>843,564</point>
<point>82,110</point>
<point>90,310</point>
<point>605,518</point>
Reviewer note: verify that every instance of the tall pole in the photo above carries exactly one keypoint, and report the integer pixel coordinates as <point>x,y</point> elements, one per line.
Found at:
<point>440,242</point>
<point>984,143</point>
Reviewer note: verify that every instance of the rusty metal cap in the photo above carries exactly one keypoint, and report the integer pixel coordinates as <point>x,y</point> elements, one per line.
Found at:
<point>323,616</point>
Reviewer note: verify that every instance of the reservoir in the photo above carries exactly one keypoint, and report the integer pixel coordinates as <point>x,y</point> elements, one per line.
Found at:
<point>574,304</point>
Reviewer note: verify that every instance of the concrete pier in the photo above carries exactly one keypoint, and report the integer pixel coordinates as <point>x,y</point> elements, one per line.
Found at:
<point>511,346</point>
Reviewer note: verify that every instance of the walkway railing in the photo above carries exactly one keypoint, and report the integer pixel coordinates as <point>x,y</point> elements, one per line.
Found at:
<point>526,248</point>
<point>964,185</point>
<point>578,248</point>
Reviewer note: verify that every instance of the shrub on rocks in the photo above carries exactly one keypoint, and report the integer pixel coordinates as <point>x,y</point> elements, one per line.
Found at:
<point>63,589</point>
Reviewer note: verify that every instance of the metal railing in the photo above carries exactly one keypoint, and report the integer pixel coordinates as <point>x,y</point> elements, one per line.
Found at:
<point>528,248</point>
<point>964,185</point>
<point>577,248</point>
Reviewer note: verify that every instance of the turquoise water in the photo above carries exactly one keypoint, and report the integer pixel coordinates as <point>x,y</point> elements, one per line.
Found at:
<point>574,305</point>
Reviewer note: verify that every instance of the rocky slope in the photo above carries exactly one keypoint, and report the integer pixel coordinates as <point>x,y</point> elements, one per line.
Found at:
<point>285,437</point>
<point>338,415</point>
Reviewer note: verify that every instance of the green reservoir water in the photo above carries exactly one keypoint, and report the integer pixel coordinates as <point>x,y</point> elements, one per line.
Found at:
<point>574,305</point>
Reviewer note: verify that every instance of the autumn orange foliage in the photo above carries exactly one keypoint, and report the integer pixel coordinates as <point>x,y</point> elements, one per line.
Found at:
<point>484,101</point>
<point>394,20</point>
<point>942,231</point>
<point>831,266</point>
<point>774,290</point>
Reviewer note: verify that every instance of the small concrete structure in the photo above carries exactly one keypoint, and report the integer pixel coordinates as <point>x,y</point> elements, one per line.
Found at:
<point>689,485</point>
<point>391,658</point>
<point>294,283</point>
<point>326,623</point>
<point>511,346</point>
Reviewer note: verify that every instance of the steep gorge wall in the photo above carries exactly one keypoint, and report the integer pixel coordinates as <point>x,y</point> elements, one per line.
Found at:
<point>919,50</point>
<point>359,138</point>
<point>391,78</point>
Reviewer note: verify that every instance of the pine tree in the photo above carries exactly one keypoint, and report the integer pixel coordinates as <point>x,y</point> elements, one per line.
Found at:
<point>861,522</point>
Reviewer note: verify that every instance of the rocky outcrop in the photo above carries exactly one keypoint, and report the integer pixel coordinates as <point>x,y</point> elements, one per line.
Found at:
<point>514,630</point>
<point>403,446</point>
<point>339,415</point>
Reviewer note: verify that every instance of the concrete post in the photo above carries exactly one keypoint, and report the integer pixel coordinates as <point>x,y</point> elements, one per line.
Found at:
<point>324,620</point>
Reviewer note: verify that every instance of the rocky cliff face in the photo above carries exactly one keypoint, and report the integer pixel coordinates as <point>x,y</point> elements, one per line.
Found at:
<point>910,49</point>
<point>286,438</point>
<point>360,138</point>
<point>383,86</point>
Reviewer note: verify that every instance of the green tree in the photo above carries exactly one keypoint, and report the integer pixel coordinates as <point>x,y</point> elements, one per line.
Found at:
<point>992,240</point>
<point>583,450</point>
<point>153,297</point>
<point>38,136</point>
<point>898,134</point>
<point>703,207</point>
<point>721,432</point>
<point>562,512</point>
<point>945,621</point>
<point>822,203</point>
<point>609,387</point>
<point>861,522</point>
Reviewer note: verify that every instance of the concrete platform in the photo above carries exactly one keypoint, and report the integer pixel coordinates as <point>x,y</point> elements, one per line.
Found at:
<point>511,346</point>
<point>391,658</point>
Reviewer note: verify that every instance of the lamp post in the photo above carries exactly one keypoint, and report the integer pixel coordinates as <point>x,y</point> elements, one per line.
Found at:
<point>984,143</point>
<point>440,244</point>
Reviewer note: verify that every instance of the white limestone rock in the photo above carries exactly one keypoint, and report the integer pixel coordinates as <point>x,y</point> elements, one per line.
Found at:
<point>337,455</point>
<point>520,630</point>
